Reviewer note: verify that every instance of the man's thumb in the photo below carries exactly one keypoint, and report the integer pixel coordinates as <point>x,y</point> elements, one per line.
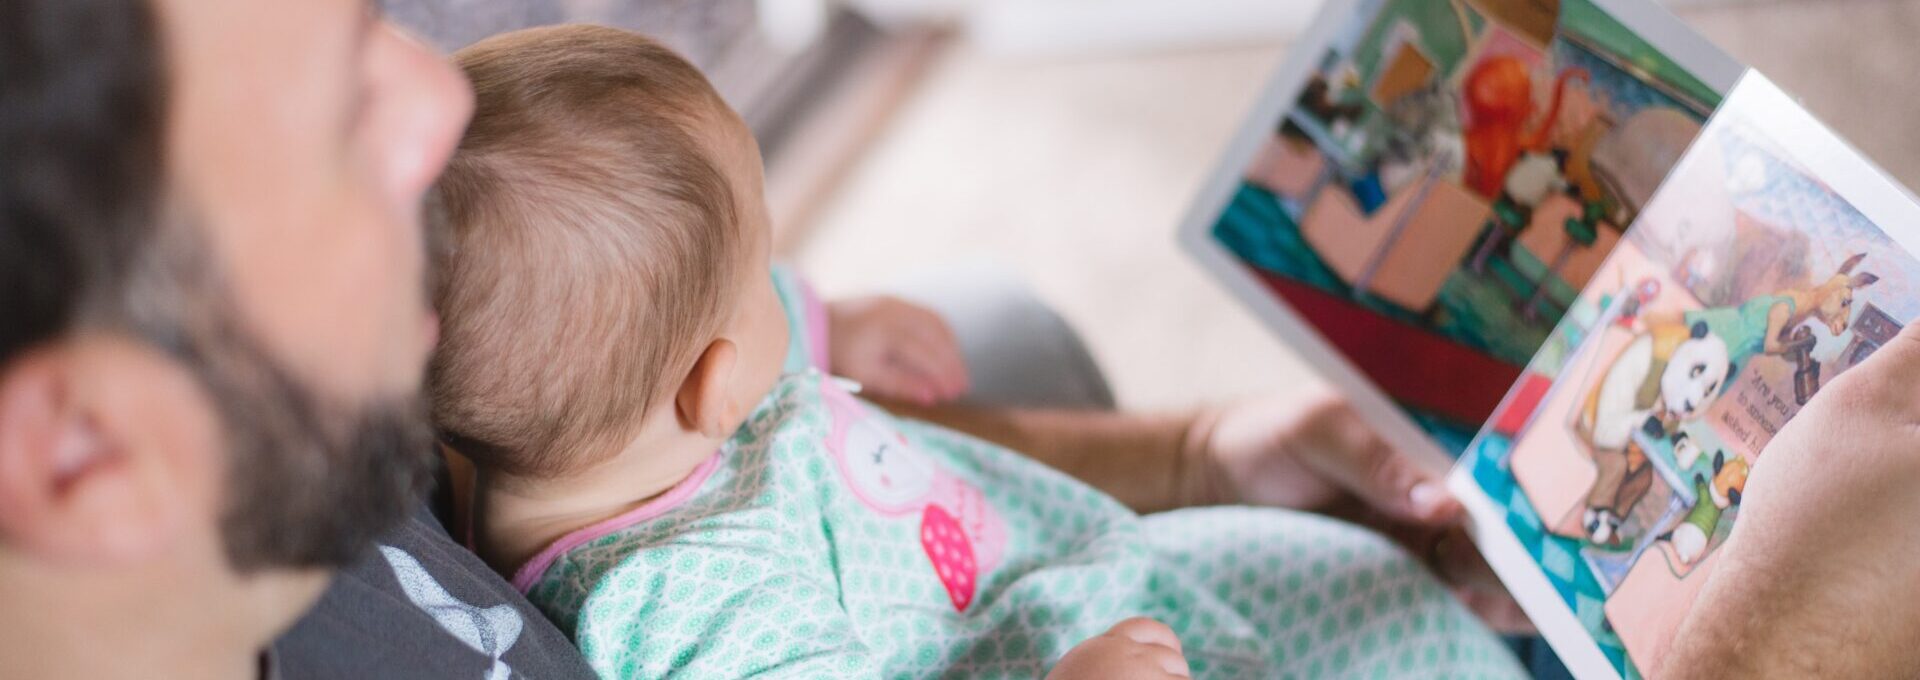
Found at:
<point>1397,485</point>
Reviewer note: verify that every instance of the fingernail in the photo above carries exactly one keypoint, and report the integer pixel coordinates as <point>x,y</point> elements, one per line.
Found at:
<point>1426,497</point>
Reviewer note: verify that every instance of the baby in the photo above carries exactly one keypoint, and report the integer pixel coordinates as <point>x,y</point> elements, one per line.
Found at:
<point>667,470</point>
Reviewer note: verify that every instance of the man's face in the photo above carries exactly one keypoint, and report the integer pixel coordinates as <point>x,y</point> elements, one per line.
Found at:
<point>302,137</point>
<point>215,263</point>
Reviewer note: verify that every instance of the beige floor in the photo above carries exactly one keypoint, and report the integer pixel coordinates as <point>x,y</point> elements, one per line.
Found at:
<point>1075,173</point>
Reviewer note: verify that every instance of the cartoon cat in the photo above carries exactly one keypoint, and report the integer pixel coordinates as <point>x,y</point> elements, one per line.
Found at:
<point>1499,97</point>
<point>1534,177</point>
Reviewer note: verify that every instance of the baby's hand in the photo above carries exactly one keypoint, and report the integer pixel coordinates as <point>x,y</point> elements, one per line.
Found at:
<point>896,349</point>
<point>1135,649</point>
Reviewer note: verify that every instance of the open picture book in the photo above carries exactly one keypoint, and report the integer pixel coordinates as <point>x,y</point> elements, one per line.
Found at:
<point>1577,255</point>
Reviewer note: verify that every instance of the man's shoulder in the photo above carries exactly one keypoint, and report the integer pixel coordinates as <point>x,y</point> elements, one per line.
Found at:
<point>421,606</point>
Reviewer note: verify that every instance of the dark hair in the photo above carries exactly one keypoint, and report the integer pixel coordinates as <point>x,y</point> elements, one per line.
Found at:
<point>82,112</point>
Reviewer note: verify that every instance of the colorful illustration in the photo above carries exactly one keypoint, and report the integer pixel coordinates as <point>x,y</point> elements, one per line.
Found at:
<point>1620,457</point>
<point>1452,173</point>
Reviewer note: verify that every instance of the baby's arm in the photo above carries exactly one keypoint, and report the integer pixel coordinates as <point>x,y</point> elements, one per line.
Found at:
<point>1134,649</point>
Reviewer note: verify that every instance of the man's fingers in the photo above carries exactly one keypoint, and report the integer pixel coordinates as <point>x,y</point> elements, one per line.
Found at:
<point>1459,565</point>
<point>1879,386</point>
<point>1457,562</point>
<point>1903,349</point>
<point>1389,481</point>
<point>1429,500</point>
<point>1498,610</point>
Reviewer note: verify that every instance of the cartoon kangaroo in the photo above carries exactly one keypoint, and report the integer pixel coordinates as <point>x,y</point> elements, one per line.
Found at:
<point>1774,324</point>
<point>1499,96</point>
<point>1830,301</point>
<point>1712,498</point>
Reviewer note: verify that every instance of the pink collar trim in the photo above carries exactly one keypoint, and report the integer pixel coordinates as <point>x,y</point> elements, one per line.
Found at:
<point>530,573</point>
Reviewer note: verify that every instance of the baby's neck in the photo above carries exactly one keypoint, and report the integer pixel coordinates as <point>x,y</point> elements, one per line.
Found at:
<point>515,517</point>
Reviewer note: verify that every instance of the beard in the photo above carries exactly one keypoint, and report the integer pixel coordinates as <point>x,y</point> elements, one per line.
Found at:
<point>311,481</point>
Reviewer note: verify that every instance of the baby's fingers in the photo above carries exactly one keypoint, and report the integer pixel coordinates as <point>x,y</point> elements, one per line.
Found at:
<point>1158,646</point>
<point>1134,649</point>
<point>1170,661</point>
<point>1145,630</point>
<point>938,369</point>
<point>895,381</point>
<point>943,336</point>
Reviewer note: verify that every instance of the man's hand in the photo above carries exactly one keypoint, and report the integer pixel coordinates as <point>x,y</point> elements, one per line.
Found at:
<point>1821,575</point>
<point>895,349</point>
<point>1322,457</point>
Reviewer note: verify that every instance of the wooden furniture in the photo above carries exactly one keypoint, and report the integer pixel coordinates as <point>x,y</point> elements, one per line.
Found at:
<point>1405,251</point>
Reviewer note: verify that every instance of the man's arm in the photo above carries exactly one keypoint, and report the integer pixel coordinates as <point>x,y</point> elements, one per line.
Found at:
<point>1310,451</point>
<point>1149,462</point>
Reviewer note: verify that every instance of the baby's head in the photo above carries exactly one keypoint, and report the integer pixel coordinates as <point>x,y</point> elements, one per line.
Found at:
<point>604,283</point>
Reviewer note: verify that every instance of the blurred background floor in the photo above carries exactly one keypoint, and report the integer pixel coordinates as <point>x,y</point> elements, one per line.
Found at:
<point>1075,172</point>
<point>1064,139</point>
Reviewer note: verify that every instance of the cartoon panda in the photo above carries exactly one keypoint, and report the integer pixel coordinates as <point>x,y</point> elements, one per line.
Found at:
<point>1666,375</point>
<point>1662,374</point>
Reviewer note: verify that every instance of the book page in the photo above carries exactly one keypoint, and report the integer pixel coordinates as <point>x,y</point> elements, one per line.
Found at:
<point>1430,183</point>
<point>1772,260</point>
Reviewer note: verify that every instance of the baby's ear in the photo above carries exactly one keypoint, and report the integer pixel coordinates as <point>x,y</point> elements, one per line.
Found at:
<point>704,403</point>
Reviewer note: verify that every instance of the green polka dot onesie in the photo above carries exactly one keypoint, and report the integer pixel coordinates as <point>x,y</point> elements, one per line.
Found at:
<point>828,539</point>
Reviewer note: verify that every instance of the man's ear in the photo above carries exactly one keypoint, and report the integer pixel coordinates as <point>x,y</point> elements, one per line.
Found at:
<point>83,481</point>
<point>705,402</point>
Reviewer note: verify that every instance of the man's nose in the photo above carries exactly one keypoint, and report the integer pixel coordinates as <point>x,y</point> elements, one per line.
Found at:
<point>436,102</point>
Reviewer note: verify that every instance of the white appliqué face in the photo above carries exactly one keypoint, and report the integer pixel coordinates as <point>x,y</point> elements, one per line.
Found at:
<point>884,469</point>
